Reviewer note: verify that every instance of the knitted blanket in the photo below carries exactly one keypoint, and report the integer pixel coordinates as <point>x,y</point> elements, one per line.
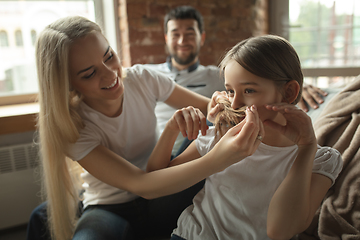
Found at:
<point>338,217</point>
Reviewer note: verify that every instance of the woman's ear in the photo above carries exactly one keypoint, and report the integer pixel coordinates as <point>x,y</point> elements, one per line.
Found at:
<point>291,91</point>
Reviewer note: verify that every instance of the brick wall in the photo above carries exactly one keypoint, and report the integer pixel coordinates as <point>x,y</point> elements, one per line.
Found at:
<point>226,22</point>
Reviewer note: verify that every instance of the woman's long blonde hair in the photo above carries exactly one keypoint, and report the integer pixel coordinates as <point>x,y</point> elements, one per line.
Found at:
<point>58,122</point>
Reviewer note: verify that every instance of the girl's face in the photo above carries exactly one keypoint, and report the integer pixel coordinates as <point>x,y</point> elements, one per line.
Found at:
<point>246,89</point>
<point>95,69</point>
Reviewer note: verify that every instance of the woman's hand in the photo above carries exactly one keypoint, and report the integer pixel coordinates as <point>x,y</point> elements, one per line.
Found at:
<point>241,140</point>
<point>298,126</point>
<point>189,121</point>
<point>214,107</point>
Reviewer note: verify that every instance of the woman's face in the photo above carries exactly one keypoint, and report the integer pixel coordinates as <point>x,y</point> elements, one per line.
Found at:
<point>95,69</point>
<point>246,89</point>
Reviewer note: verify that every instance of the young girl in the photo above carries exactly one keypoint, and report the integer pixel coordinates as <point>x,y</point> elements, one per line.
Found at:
<point>105,122</point>
<point>275,192</point>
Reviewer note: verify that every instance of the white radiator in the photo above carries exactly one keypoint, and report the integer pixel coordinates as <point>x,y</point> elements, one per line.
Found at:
<point>19,184</point>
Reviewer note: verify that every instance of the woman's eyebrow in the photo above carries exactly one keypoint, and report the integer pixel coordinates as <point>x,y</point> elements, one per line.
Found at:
<point>84,70</point>
<point>107,50</point>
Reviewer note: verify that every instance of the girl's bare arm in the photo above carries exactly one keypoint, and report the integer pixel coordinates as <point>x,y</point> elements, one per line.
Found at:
<point>294,203</point>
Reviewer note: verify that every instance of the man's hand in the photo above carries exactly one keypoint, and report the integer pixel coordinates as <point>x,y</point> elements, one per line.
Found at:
<point>312,96</point>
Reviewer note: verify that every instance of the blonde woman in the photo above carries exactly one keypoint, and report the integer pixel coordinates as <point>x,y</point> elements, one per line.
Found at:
<point>97,126</point>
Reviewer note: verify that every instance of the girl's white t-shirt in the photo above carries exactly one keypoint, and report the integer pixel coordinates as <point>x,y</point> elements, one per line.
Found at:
<point>234,203</point>
<point>132,135</point>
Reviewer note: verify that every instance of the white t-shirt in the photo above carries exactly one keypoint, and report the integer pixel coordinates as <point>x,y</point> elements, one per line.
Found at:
<point>234,203</point>
<point>197,78</point>
<point>132,135</point>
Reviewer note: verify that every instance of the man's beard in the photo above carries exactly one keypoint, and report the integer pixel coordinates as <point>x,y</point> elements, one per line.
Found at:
<point>185,61</point>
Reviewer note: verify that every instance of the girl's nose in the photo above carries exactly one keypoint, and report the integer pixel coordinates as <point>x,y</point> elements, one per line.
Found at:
<point>237,103</point>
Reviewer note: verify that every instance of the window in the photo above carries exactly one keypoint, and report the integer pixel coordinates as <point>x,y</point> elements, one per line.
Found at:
<point>325,34</point>
<point>18,38</point>
<point>33,37</point>
<point>4,42</point>
<point>18,79</point>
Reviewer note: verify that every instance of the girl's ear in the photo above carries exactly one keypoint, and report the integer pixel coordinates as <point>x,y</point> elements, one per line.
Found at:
<point>291,91</point>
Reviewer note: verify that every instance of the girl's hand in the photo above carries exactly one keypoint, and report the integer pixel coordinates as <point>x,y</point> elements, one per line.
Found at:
<point>188,121</point>
<point>241,140</point>
<point>214,108</point>
<point>298,126</point>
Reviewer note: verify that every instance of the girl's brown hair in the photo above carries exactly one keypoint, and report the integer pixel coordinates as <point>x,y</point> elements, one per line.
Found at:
<point>271,57</point>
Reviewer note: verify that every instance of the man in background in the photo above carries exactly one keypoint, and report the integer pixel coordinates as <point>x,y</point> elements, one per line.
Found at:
<point>184,36</point>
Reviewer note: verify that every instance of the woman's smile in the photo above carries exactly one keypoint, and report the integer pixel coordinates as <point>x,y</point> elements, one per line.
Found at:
<point>113,85</point>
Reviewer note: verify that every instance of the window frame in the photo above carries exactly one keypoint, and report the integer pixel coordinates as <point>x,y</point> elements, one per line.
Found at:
<point>106,16</point>
<point>279,25</point>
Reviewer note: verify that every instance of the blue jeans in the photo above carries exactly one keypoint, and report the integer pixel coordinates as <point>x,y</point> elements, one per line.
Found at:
<point>97,223</point>
<point>138,219</point>
<point>37,226</point>
<point>176,237</point>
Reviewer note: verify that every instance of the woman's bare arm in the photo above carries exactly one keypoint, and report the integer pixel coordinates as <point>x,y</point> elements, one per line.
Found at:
<point>238,143</point>
<point>182,97</point>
